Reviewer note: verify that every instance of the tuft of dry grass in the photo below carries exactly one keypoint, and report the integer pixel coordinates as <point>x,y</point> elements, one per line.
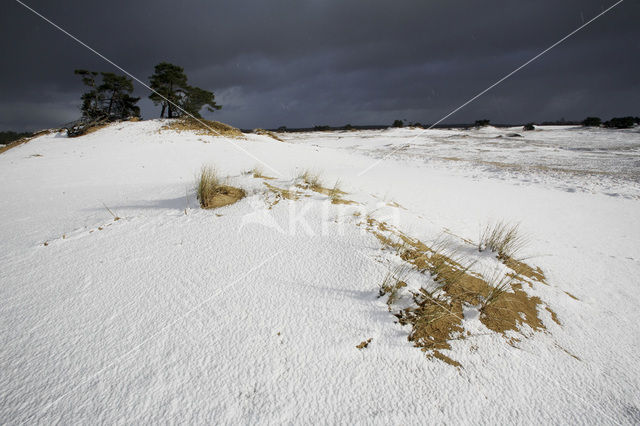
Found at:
<point>313,181</point>
<point>258,173</point>
<point>503,239</point>
<point>394,280</point>
<point>212,192</point>
<point>499,284</point>
<point>310,180</point>
<point>281,194</point>
<point>335,194</point>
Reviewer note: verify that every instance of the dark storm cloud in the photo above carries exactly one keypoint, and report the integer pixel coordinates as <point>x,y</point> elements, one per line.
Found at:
<point>301,63</point>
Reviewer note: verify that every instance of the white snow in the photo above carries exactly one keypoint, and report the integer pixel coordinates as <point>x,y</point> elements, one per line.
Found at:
<point>248,314</point>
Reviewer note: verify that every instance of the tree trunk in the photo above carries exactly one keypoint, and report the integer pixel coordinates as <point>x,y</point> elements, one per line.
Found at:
<point>164,106</point>
<point>169,95</point>
<point>110,104</point>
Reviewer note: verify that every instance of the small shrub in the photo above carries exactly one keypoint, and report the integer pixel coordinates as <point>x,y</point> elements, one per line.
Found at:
<point>482,123</point>
<point>398,123</point>
<point>592,122</point>
<point>528,127</point>
<point>502,238</point>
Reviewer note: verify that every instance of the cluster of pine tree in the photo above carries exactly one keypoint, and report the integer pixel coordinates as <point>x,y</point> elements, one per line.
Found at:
<point>110,99</point>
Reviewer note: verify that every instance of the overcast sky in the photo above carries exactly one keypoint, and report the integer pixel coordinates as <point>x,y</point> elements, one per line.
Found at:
<point>314,62</point>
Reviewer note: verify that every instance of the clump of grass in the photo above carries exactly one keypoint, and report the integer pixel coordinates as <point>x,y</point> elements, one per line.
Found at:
<point>258,173</point>
<point>212,192</point>
<point>498,285</point>
<point>336,192</point>
<point>310,179</point>
<point>394,280</point>
<point>436,314</point>
<point>444,262</point>
<point>208,184</point>
<point>502,238</point>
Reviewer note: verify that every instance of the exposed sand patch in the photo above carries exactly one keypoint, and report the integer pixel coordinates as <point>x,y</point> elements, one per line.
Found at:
<point>224,195</point>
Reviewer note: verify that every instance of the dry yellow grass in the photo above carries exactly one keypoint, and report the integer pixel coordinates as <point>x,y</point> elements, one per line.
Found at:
<point>95,128</point>
<point>212,193</point>
<point>313,181</point>
<point>393,282</point>
<point>210,128</point>
<point>267,133</point>
<point>364,344</point>
<point>502,238</point>
<point>310,180</point>
<point>281,194</point>
<point>258,173</point>
<point>436,315</point>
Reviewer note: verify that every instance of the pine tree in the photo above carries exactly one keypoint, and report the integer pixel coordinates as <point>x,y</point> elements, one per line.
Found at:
<point>171,89</point>
<point>91,100</point>
<point>111,100</point>
<point>118,104</point>
<point>169,82</point>
<point>198,98</point>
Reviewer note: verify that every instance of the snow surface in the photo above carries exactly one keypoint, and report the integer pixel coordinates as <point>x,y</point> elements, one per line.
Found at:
<point>251,314</point>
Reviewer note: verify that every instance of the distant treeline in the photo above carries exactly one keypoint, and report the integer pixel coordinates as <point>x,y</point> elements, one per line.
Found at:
<point>615,122</point>
<point>9,136</point>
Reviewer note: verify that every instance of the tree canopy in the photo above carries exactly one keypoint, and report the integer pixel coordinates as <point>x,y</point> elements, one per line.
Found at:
<point>109,100</point>
<point>176,96</point>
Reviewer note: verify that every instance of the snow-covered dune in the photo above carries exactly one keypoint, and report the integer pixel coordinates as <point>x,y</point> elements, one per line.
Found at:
<point>251,313</point>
